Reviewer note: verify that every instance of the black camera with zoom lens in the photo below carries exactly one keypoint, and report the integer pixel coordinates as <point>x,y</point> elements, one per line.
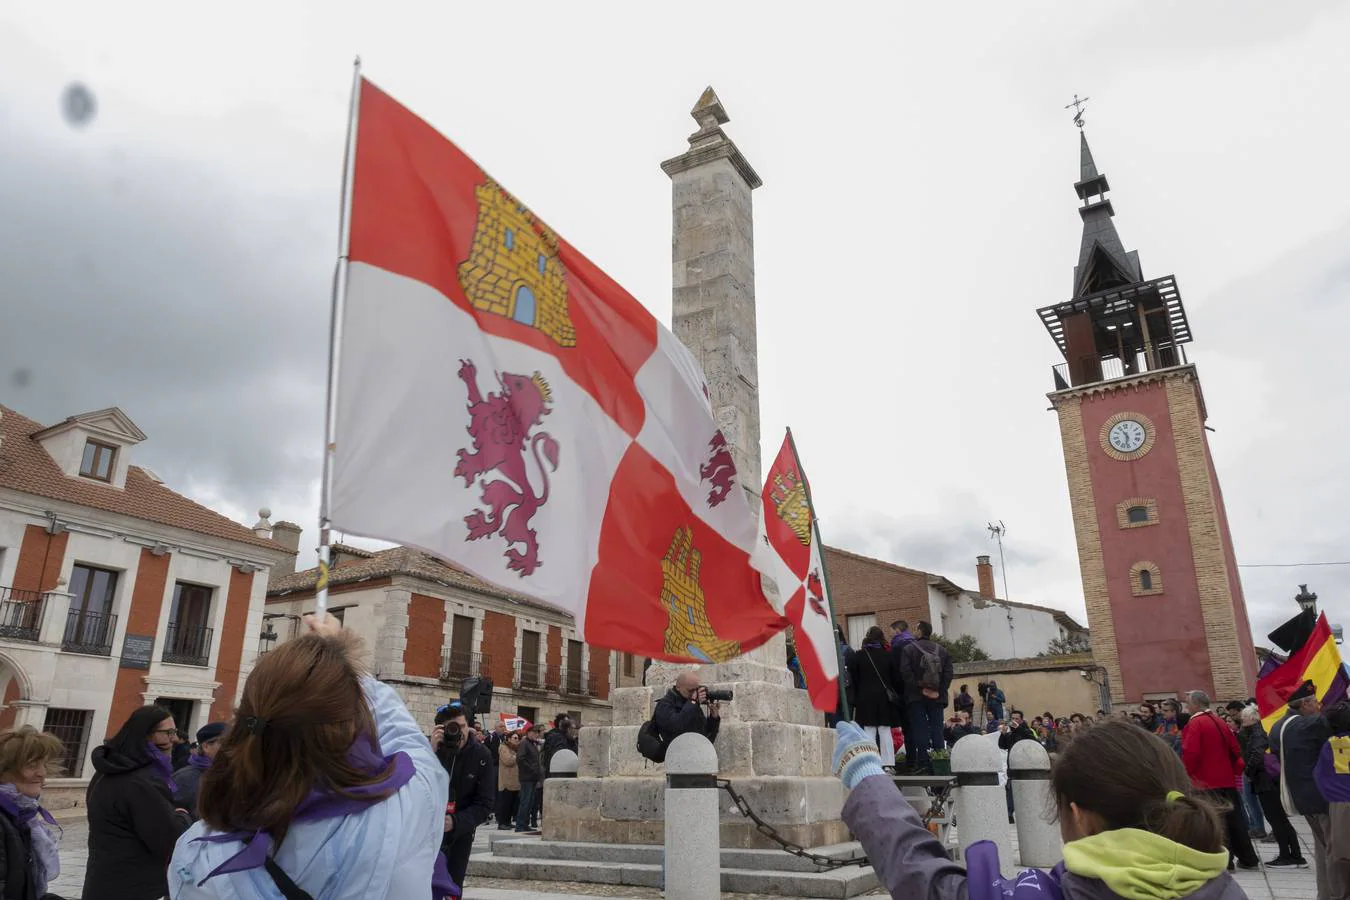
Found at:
<point>719,696</point>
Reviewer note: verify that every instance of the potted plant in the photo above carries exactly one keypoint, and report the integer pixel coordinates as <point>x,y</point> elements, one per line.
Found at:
<point>941,761</point>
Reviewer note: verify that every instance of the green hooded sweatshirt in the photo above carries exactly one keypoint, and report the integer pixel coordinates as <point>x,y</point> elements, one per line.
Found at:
<point>1140,865</point>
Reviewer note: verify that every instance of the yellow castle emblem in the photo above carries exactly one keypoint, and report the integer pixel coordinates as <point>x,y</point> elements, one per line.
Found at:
<point>789,501</point>
<point>513,269</point>
<point>688,632</point>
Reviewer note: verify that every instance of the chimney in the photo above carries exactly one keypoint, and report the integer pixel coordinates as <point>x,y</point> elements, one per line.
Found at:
<point>984,571</point>
<point>287,534</point>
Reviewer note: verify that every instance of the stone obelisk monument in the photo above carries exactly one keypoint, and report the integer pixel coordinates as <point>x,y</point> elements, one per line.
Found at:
<point>772,745</point>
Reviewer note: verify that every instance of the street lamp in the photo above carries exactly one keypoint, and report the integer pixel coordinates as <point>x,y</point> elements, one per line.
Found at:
<point>1307,600</point>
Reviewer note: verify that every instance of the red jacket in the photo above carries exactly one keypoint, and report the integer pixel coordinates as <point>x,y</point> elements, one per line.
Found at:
<point>1210,751</point>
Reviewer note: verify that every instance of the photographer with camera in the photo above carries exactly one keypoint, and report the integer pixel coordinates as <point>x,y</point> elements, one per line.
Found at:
<point>473,785</point>
<point>680,711</point>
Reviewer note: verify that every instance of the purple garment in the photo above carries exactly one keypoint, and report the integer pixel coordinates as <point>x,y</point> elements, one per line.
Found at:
<point>984,881</point>
<point>901,639</point>
<point>161,763</point>
<point>197,761</point>
<point>910,862</point>
<point>364,755</point>
<point>1335,786</point>
<point>442,885</point>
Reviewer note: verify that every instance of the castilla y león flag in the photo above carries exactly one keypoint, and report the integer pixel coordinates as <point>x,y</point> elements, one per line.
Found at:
<point>504,404</point>
<point>789,550</point>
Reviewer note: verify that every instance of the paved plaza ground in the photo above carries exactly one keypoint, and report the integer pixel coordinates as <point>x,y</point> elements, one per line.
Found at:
<point>1267,884</point>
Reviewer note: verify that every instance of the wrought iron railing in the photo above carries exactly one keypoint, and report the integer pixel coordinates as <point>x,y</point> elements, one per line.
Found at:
<point>529,676</point>
<point>188,645</point>
<point>21,614</point>
<point>457,665</point>
<point>89,632</point>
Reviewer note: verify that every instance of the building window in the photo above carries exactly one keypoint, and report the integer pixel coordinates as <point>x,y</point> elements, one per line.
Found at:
<point>527,668</point>
<point>629,669</point>
<point>1145,579</point>
<point>188,640</point>
<point>543,263</point>
<point>97,462</point>
<point>90,623</point>
<point>71,727</point>
<point>510,239</point>
<point>857,628</point>
<point>1137,512</point>
<point>340,614</point>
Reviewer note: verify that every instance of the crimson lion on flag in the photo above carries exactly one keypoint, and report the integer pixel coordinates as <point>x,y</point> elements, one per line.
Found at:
<point>719,470</point>
<point>501,428</point>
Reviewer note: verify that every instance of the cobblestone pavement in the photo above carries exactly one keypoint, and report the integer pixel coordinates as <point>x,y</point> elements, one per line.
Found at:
<point>1266,884</point>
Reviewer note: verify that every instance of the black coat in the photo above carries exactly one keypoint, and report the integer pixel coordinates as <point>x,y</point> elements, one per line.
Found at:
<point>187,780</point>
<point>473,789</point>
<point>1015,736</point>
<point>133,827</point>
<point>1253,741</point>
<point>16,862</point>
<point>873,669</point>
<point>676,715</point>
<point>554,741</point>
<point>528,762</point>
<point>1302,745</point>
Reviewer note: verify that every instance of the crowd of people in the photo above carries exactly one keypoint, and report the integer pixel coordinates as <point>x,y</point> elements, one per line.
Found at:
<point>324,785</point>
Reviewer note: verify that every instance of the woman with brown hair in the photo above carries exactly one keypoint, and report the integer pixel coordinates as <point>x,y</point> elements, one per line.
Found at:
<point>28,854</point>
<point>1132,827</point>
<point>323,786</point>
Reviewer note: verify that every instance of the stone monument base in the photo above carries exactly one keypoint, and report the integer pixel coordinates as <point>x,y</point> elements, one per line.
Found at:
<point>804,810</point>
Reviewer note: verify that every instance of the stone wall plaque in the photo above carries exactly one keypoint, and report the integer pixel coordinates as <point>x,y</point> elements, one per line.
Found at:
<point>137,650</point>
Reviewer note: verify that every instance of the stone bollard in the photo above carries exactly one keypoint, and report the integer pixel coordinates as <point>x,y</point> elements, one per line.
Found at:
<point>564,764</point>
<point>1038,840</point>
<point>693,855</point>
<point>981,806</point>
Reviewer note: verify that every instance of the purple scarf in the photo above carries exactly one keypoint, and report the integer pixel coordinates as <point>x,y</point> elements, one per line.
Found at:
<point>985,882</point>
<point>365,756</point>
<point>160,760</point>
<point>23,810</point>
<point>197,761</point>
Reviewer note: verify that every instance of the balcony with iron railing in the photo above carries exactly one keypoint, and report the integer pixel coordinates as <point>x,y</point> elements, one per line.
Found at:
<point>89,632</point>
<point>1114,368</point>
<point>188,645</point>
<point>457,665</point>
<point>531,676</point>
<point>21,614</point>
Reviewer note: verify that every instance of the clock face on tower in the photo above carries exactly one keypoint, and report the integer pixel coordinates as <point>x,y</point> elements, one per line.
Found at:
<point>1127,436</point>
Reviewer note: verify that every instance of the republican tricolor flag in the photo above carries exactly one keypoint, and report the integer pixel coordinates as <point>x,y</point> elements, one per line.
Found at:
<point>789,550</point>
<point>504,404</point>
<point>1314,658</point>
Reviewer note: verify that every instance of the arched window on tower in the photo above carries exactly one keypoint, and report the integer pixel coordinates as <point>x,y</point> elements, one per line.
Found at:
<point>1145,580</point>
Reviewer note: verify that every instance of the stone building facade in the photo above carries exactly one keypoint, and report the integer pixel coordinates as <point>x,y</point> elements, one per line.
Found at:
<point>428,626</point>
<point>116,591</point>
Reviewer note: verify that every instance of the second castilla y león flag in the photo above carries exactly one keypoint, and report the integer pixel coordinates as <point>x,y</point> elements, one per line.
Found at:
<point>504,404</point>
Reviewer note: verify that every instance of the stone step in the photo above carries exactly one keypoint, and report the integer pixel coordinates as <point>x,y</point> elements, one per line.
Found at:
<point>651,854</point>
<point>850,881</point>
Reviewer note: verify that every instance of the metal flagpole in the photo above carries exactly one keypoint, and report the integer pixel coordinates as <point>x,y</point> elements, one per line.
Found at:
<point>824,577</point>
<point>335,344</point>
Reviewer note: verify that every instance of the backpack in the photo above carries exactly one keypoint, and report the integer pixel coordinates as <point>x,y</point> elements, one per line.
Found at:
<point>650,743</point>
<point>930,673</point>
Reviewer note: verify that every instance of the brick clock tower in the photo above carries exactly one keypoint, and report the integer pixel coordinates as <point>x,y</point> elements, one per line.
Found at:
<point>1160,579</point>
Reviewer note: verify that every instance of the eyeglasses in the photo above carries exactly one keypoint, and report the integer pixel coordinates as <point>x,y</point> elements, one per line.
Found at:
<point>165,731</point>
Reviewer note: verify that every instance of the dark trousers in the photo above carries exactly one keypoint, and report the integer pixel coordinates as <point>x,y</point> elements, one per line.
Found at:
<point>457,856</point>
<point>925,723</point>
<point>1280,826</point>
<point>528,816</point>
<point>1237,838</point>
<point>505,807</point>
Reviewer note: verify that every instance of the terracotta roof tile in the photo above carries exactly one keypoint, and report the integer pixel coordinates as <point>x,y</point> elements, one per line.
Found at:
<point>398,561</point>
<point>25,466</point>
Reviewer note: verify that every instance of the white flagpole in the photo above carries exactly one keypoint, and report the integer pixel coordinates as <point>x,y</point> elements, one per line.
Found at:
<point>335,344</point>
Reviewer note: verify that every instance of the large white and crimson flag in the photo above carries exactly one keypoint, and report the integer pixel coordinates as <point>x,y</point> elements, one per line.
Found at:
<point>504,404</point>
<point>789,550</point>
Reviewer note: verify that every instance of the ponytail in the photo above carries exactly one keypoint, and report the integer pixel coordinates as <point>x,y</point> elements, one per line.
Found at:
<point>1192,820</point>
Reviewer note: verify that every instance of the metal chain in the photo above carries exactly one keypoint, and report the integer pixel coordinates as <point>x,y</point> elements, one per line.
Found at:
<point>823,862</point>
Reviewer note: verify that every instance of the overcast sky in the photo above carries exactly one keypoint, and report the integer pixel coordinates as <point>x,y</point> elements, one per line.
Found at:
<point>173,256</point>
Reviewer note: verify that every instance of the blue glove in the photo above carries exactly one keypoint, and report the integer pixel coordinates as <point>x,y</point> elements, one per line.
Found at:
<point>855,756</point>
